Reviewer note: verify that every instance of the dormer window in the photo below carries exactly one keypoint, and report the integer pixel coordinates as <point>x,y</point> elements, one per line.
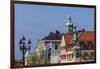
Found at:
<point>90,45</point>
<point>82,44</point>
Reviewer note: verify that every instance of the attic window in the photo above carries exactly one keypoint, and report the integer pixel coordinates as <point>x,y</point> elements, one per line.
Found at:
<point>90,45</point>
<point>82,44</point>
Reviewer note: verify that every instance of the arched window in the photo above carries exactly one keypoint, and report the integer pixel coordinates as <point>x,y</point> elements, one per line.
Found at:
<point>69,57</point>
<point>49,53</point>
<point>56,47</point>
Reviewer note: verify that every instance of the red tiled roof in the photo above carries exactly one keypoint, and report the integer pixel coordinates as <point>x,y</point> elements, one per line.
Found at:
<point>86,36</point>
<point>82,36</point>
<point>68,37</point>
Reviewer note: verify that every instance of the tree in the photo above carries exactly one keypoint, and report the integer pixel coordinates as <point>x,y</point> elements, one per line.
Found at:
<point>53,36</point>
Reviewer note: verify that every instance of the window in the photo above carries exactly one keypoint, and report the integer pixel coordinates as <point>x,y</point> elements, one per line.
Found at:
<point>49,50</point>
<point>63,56</point>
<point>82,44</point>
<point>86,56</point>
<point>56,47</point>
<point>70,28</point>
<point>92,55</point>
<point>72,55</point>
<point>90,45</point>
<point>77,53</point>
<point>63,48</point>
<point>69,57</point>
<point>69,46</point>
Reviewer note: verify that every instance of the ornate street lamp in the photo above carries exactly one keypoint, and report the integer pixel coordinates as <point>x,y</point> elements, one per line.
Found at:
<point>29,42</point>
<point>23,47</point>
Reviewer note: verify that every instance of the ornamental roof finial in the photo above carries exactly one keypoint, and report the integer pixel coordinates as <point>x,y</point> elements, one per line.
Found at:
<point>69,18</point>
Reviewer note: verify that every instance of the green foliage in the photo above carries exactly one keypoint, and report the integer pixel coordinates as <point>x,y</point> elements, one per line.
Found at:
<point>39,59</point>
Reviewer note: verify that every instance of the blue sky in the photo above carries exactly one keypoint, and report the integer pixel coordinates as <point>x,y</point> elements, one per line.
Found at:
<point>37,21</point>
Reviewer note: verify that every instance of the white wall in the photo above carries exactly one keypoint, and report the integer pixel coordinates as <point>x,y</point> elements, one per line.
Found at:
<point>5,34</point>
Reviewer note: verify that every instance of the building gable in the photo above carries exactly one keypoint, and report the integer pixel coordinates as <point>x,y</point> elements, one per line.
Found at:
<point>63,43</point>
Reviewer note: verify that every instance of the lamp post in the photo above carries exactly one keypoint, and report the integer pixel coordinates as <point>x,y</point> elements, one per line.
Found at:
<point>23,47</point>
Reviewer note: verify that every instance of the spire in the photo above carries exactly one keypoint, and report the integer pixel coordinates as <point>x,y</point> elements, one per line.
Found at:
<point>69,18</point>
<point>69,24</point>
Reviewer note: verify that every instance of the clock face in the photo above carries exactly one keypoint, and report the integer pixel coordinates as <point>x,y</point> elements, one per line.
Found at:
<point>77,54</point>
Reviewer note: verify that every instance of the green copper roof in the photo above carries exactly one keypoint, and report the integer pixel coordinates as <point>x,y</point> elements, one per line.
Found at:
<point>69,20</point>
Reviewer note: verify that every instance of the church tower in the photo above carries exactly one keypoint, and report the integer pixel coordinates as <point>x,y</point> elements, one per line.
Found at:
<point>69,24</point>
